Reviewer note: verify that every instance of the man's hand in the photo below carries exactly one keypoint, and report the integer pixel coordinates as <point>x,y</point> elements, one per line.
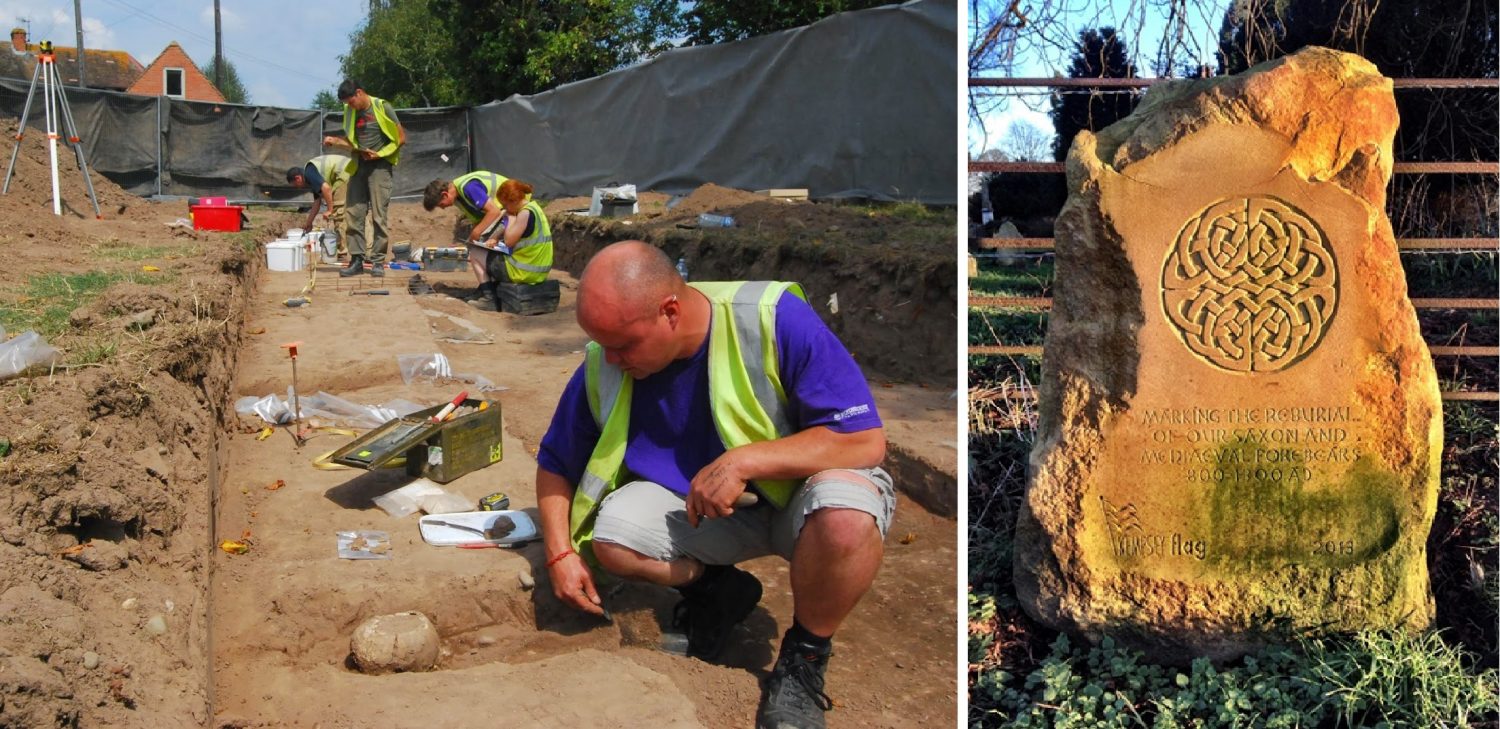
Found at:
<point>715,488</point>
<point>368,154</point>
<point>574,584</point>
<point>332,141</point>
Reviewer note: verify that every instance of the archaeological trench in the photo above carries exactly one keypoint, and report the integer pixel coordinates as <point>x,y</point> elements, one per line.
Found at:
<point>126,468</point>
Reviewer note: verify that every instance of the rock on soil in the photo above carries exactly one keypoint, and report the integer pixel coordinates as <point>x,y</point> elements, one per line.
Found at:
<point>101,556</point>
<point>395,643</point>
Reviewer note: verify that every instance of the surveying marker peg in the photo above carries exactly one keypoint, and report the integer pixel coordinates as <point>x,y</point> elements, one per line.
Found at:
<point>291,348</point>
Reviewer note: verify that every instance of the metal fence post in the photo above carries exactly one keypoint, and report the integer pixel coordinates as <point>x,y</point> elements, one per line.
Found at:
<point>161,131</point>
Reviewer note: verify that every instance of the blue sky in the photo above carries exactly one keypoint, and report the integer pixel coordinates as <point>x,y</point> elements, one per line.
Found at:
<point>284,51</point>
<point>1046,51</point>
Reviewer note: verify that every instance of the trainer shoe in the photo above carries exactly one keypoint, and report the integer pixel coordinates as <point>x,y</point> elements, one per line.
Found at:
<point>711,606</point>
<point>485,301</point>
<point>356,267</point>
<point>793,697</point>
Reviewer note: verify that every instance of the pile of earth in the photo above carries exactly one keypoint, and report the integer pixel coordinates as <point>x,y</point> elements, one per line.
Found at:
<point>109,458</point>
<point>883,278</point>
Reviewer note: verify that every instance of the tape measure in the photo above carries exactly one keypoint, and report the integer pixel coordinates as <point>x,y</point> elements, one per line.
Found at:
<point>494,502</point>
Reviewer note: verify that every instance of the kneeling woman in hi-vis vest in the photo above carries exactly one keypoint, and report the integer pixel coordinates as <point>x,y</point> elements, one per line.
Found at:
<point>527,249</point>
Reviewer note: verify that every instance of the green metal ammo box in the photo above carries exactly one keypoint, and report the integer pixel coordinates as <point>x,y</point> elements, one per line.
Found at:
<point>438,451</point>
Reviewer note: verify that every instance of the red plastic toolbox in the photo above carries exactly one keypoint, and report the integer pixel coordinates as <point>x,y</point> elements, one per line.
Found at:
<point>217,217</point>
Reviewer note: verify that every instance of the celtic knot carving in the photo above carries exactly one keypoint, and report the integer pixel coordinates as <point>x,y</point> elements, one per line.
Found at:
<point>1250,284</point>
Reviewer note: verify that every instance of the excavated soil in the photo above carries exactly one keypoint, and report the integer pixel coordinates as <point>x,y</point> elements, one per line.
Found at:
<point>883,281</point>
<point>127,466</point>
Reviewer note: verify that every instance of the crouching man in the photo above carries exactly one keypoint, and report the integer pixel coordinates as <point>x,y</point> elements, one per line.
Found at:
<point>692,396</point>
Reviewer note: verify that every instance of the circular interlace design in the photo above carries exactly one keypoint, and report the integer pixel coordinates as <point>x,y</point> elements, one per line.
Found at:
<point>1250,284</point>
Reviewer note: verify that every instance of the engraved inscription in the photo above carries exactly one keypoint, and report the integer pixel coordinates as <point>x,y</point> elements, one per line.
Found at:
<point>1129,540</point>
<point>1249,485</point>
<point>1248,445</point>
<point>1250,284</point>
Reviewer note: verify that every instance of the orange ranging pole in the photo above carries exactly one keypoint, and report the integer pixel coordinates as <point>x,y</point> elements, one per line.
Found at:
<point>291,348</point>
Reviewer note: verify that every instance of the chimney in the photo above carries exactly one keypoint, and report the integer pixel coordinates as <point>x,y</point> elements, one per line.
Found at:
<point>18,39</point>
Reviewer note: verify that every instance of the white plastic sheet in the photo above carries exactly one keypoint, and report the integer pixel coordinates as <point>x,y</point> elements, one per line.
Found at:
<point>332,408</point>
<point>618,193</point>
<point>434,368</point>
<point>27,350</point>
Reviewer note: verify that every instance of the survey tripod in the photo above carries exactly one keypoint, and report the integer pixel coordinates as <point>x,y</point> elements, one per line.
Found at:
<point>55,104</point>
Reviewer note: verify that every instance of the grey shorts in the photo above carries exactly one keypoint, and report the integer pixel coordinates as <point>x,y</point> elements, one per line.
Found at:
<point>647,518</point>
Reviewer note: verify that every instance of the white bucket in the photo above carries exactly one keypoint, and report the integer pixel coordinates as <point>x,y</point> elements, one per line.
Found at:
<point>286,255</point>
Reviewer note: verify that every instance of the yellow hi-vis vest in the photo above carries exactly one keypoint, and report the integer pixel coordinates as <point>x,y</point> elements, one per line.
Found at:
<point>531,257</point>
<point>491,182</point>
<point>388,126</point>
<point>336,169</point>
<point>744,390</point>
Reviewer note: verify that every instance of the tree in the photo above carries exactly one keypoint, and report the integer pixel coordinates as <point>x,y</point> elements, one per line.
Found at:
<point>327,101</point>
<point>403,53</point>
<point>1099,54</point>
<point>1026,142</point>
<point>720,21</point>
<point>523,48</point>
<point>230,86</point>
<point>1414,39</point>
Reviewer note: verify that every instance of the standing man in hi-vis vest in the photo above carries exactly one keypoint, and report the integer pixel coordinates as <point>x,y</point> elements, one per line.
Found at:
<point>692,397</point>
<point>373,132</point>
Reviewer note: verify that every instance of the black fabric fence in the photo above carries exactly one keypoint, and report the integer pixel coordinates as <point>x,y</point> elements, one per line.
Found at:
<point>860,104</point>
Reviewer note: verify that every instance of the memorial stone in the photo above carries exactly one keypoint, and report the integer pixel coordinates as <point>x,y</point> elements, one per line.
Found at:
<point>1240,426</point>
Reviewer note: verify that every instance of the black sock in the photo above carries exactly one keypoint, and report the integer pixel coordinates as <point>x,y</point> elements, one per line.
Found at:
<point>802,635</point>
<point>710,573</point>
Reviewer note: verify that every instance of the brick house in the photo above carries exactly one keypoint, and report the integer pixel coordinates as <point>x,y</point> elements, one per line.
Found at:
<point>174,74</point>
<point>105,70</point>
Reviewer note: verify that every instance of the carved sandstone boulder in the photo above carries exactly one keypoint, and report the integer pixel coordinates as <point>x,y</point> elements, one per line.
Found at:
<point>1240,426</point>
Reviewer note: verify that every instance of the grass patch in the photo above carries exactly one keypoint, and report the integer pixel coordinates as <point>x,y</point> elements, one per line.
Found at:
<point>1028,276</point>
<point>1451,274</point>
<point>1007,326</point>
<point>1369,679</point>
<point>992,370</point>
<point>47,300</point>
<point>906,210</point>
<point>121,251</point>
<point>246,240</point>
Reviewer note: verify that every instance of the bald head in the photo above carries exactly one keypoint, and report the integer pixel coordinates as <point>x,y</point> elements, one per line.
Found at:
<point>638,310</point>
<point>629,280</point>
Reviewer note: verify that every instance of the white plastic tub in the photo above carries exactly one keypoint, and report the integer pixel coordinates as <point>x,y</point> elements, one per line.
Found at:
<point>286,255</point>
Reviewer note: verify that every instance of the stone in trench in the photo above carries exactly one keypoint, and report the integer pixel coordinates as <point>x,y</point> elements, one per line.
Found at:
<point>394,643</point>
<point>101,555</point>
<point>1240,427</point>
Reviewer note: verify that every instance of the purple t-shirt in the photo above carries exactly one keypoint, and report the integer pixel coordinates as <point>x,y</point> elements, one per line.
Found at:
<point>672,433</point>
<point>476,194</point>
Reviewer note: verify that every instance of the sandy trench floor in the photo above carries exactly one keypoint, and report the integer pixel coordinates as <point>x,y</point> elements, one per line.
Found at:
<point>126,468</point>
<point>281,615</point>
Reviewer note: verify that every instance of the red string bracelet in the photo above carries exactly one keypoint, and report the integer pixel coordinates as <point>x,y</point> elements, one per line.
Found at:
<point>559,557</point>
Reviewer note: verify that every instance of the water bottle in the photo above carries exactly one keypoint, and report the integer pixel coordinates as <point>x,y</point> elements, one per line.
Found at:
<point>709,220</point>
<point>682,268</point>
